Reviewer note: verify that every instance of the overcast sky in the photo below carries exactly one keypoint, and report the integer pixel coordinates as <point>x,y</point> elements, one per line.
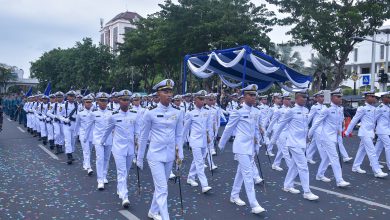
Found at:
<point>31,27</point>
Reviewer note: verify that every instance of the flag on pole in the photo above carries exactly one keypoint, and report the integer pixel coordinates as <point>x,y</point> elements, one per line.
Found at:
<point>48,89</point>
<point>29,92</point>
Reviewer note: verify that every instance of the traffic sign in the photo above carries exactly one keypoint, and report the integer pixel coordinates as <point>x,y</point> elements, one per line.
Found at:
<point>366,79</point>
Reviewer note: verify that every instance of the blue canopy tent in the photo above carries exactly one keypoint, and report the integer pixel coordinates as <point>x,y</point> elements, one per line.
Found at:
<point>245,65</point>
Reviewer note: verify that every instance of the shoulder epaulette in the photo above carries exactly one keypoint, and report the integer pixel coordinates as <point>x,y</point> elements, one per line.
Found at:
<point>152,107</point>
<point>381,105</point>
<point>115,112</point>
<point>206,108</point>
<point>132,111</point>
<point>239,107</point>
<point>257,107</point>
<point>175,107</point>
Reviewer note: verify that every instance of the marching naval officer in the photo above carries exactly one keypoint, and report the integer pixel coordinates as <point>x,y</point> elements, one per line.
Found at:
<point>126,123</point>
<point>366,115</point>
<point>68,117</point>
<point>98,124</point>
<point>382,119</point>
<point>164,123</point>
<point>281,142</point>
<point>245,120</point>
<point>331,120</point>
<point>313,115</point>
<point>296,119</point>
<point>199,122</point>
<point>83,120</point>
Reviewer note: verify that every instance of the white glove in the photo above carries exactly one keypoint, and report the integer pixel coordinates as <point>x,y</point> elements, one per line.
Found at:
<point>66,120</point>
<point>140,163</point>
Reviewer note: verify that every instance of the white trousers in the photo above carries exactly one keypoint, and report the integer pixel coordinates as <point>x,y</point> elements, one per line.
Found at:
<point>313,146</point>
<point>209,158</point>
<point>50,131</point>
<point>244,175</point>
<point>58,133</point>
<point>328,153</point>
<point>256,173</point>
<point>42,126</point>
<point>70,140</point>
<point>282,151</point>
<point>299,166</point>
<point>103,154</point>
<point>86,147</point>
<point>197,166</point>
<point>343,152</point>
<point>383,142</point>
<point>366,146</point>
<point>123,165</point>
<point>160,172</point>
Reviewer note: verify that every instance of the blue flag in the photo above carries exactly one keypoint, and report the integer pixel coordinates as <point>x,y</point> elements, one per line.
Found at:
<point>48,89</point>
<point>29,92</point>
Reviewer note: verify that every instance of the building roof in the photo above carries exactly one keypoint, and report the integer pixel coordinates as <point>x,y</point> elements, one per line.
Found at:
<point>125,16</point>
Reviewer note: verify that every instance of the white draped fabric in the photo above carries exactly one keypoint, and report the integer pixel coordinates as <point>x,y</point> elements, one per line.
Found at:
<point>229,84</point>
<point>260,67</point>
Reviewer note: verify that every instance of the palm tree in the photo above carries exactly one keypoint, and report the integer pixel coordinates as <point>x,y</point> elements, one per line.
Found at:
<point>290,58</point>
<point>321,68</point>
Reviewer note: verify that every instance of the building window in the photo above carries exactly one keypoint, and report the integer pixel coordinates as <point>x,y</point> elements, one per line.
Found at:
<point>128,29</point>
<point>355,58</point>
<point>115,38</point>
<point>382,52</point>
<point>108,38</point>
<point>365,70</point>
<point>102,38</point>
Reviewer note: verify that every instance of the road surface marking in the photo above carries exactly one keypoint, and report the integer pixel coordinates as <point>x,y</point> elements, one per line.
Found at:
<point>48,152</point>
<point>341,195</point>
<point>128,215</point>
<point>20,129</point>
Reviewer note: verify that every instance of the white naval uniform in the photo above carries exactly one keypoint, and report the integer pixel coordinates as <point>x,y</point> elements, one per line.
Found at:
<point>126,127</point>
<point>68,125</point>
<point>313,115</point>
<point>165,126</point>
<point>366,115</point>
<point>199,123</point>
<point>83,119</point>
<point>264,111</point>
<point>269,115</point>
<point>54,113</point>
<point>382,119</point>
<point>245,120</point>
<point>330,121</point>
<point>35,117</point>
<point>42,109</point>
<point>49,122</point>
<point>281,142</point>
<point>99,120</point>
<point>296,121</point>
<point>27,110</point>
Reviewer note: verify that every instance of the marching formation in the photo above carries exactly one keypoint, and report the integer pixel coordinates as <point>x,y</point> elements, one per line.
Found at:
<point>133,128</point>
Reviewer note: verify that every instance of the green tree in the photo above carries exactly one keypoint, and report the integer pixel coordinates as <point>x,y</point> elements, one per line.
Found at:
<point>83,65</point>
<point>6,75</point>
<point>291,58</point>
<point>329,25</point>
<point>160,42</point>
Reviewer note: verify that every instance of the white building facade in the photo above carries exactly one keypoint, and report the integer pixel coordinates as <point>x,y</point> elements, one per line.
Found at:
<point>113,32</point>
<point>360,58</point>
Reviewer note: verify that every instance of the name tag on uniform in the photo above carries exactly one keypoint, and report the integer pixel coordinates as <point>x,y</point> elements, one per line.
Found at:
<point>299,113</point>
<point>97,116</point>
<point>118,120</point>
<point>160,116</point>
<point>368,110</point>
<point>332,112</point>
<point>84,116</point>
<point>246,116</point>
<point>196,115</point>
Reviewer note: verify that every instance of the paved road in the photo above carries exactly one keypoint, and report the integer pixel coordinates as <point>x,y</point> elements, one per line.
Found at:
<point>35,185</point>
